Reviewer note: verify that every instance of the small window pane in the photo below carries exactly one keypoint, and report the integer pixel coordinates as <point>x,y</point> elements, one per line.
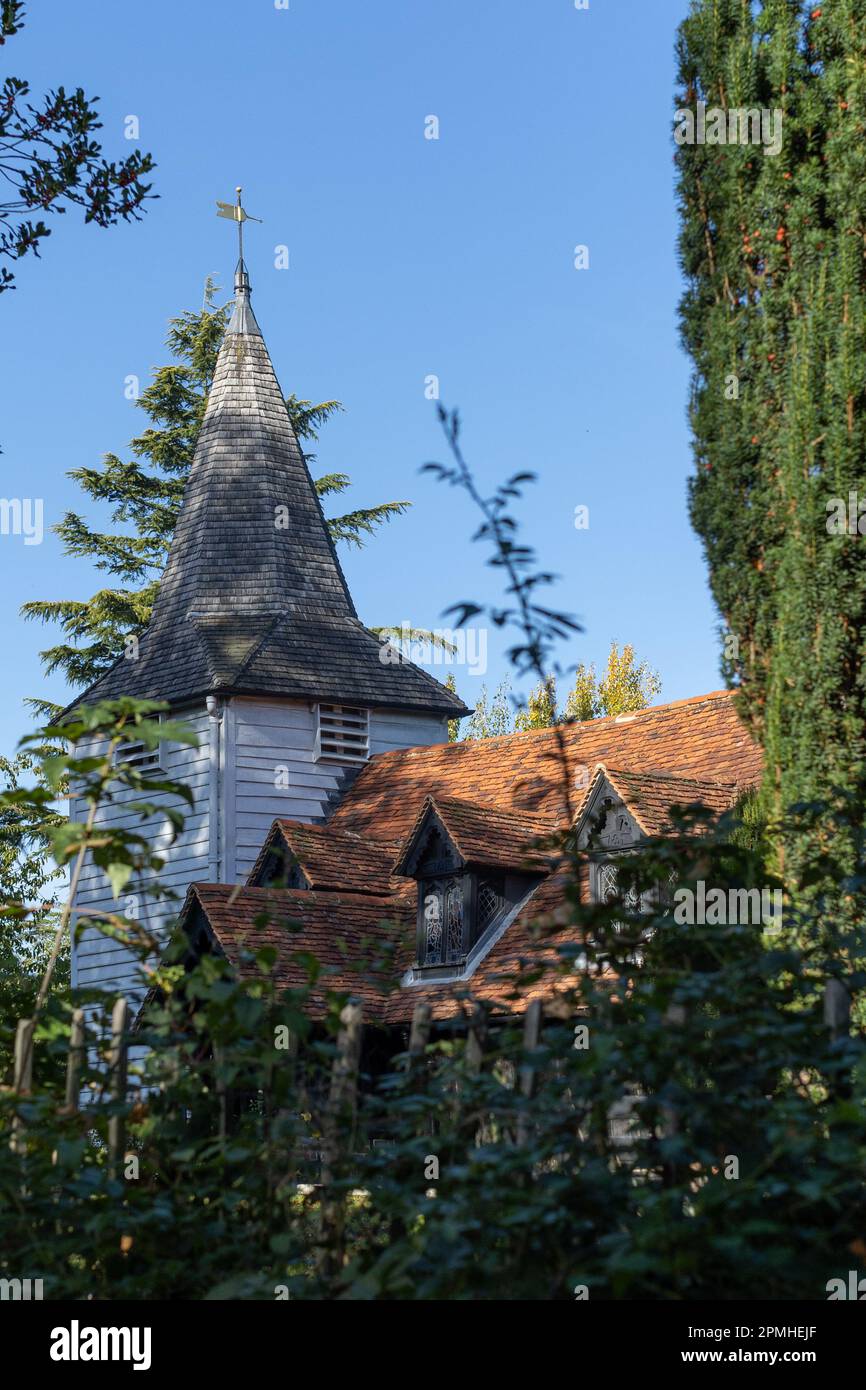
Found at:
<point>489,902</point>
<point>433,915</point>
<point>454,915</point>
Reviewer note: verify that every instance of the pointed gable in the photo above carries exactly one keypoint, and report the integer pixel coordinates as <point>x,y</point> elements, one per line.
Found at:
<point>253,599</point>
<point>475,834</point>
<point>325,858</point>
<point>640,803</point>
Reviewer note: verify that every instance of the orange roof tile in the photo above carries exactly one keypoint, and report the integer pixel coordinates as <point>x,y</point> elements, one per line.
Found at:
<point>344,931</point>
<point>330,858</point>
<point>701,738</point>
<point>651,795</point>
<point>494,795</point>
<point>486,834</point>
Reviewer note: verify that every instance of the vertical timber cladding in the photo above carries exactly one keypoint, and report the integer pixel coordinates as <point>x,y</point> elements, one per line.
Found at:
<point>272,769</point>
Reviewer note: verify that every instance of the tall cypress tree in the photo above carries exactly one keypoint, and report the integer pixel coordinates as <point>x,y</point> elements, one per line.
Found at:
<point>774,317</point>
<point>145,494</point>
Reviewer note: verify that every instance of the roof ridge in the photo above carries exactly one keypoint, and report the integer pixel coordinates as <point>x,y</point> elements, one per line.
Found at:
<point>659,775</point>
<point>461,746</point>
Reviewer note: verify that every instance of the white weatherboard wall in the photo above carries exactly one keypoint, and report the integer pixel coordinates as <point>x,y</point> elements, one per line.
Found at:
<point>265,768</point>
<point>271,762</point>
<point>98,961</point>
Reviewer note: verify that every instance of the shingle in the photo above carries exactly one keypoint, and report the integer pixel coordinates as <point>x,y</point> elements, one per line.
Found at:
<point>346,932</point>
<point>253,599</point>
<point>651,795</point>
<point>485,835</point>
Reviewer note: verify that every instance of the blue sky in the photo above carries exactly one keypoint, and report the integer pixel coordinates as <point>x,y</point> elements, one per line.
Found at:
<point>408,257</point>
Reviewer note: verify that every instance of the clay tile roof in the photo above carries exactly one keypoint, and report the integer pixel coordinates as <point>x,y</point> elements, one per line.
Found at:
<point>649,796</point>
<point>525,943</point>
<point>330,858</point>
<point>494,795</point>
<point>702,738</point>
<point>486,834</point>
<point>346,932</point>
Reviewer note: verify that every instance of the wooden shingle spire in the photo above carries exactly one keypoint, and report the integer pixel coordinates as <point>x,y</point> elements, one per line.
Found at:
<point>253,598</point>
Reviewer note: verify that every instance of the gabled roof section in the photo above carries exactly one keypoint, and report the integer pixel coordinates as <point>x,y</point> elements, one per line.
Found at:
<point>530,944</point>
<point>365,944</point>
<point>361,941</point>
<point>494,796</point>
<point>253,599</point>
<point>702,738</point>
<point>481,835</point>
<point>649,796</point>
<point>330,859</point>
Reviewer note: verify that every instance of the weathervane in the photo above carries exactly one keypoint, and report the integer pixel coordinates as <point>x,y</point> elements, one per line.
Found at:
<point>239,215</point>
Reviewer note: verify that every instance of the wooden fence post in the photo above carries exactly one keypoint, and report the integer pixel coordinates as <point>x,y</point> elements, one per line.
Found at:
<point>527,1080</point>
<point>837,1008</point>
<point>23,1076</point>
<point>118,1064</point>
<point>337,1133</point>
<point>220,1088</point>
<point>476,1038</point>
<point>419,1037</point>
<point>74,1061</point>
<point>419,1034</point>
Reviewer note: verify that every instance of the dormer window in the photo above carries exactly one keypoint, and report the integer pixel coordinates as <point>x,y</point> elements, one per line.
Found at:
<point>455,911</point>
<point>474,866</point>
<point>490,900</point>
<point>607,887</point>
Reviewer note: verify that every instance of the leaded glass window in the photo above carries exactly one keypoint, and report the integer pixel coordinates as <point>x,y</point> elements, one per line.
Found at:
<point>490,901</point>
<point>443,920</point>
<point>609,890</point>
<point>454,918</point>
<point>449,929</point>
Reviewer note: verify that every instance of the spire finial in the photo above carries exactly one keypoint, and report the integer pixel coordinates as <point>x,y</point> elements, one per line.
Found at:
<point>242,320</point>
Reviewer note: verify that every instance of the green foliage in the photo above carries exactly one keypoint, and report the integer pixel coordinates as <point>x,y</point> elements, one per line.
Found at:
<point>145,495</point>
<point>694,1130</point>
<point>450,683</point>
<point>626,685</point>
<point>50,160</point>
<point>540,712</point>
<point>734,1168</point>
<point>774,317</point>
<point>76,754</point>
<point>492,715</point>
<point>28,893</point>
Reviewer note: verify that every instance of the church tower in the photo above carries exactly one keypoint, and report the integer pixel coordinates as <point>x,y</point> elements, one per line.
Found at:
<point>254,641</point>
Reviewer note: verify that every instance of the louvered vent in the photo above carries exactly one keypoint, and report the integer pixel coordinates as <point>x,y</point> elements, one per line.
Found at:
<point>343,735</point>
<point>136,755</point>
